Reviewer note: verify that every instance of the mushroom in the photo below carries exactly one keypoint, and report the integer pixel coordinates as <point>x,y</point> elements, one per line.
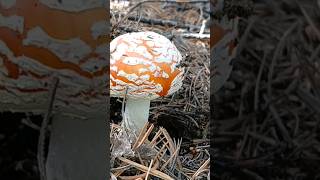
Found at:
<point>41,40</point>
<point>143,67</point>
<point>223,44</point>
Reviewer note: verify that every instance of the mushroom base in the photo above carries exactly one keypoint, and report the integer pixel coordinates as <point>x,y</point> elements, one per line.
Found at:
<point>137,113</point>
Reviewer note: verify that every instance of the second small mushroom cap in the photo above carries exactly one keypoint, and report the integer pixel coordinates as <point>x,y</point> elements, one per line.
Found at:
<point>144,64</point>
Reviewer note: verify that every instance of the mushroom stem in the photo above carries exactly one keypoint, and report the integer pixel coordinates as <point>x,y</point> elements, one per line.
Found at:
<point>77,148</point>
<point>137,113</point>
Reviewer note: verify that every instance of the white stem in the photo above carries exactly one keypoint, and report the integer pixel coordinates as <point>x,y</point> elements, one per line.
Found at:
<point>77,148</point>
<point>137,113</point>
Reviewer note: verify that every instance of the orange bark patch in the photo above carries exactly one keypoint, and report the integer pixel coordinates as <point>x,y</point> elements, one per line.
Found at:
<point>13,69</point>
<point>217,34</point>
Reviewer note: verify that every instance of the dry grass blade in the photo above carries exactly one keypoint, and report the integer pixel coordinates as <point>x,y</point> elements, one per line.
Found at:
<point>156,173</point>
<point>201,169</point>
<point>143,136</point>
<point>165,159</point>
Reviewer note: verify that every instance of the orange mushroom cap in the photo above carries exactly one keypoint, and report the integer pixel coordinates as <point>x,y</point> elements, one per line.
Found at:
<point>144,65</point>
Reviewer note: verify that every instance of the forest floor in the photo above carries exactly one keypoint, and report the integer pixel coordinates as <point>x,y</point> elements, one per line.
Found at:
<point>266,119</point>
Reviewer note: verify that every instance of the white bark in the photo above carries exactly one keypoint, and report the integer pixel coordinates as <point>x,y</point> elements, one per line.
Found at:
<point>77,149</point>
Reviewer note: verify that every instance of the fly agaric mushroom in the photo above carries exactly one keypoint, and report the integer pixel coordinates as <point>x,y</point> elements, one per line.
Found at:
<point>223,44</point>
<point>143,67</point>
<point>43,39</point>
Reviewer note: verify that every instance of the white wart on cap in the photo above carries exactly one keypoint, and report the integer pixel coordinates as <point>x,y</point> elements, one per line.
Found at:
<point>144,64</point>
